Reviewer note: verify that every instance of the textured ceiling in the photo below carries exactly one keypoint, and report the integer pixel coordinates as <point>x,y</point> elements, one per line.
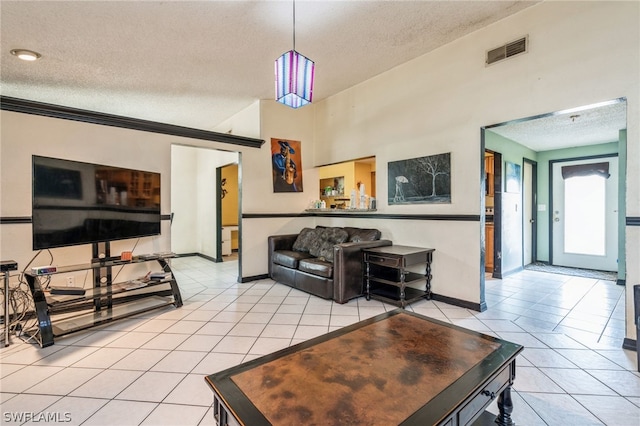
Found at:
<point>197,63</point>
<point>587,125</point>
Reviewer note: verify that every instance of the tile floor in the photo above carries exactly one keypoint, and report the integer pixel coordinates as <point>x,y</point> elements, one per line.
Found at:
<point>149,370</point>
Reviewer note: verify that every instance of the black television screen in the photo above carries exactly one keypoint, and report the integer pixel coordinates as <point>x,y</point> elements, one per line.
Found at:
<point>80,203</point>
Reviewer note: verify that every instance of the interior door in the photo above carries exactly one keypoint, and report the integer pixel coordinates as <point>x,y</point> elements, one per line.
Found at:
<point>584,215</point>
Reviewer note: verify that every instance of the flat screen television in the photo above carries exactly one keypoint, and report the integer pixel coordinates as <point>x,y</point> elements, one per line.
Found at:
<point>80,203</point>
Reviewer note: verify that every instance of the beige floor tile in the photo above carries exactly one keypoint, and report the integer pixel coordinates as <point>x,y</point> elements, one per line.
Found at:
<point>172,415</point>
<point>122,413</point>
<point>151,387</point>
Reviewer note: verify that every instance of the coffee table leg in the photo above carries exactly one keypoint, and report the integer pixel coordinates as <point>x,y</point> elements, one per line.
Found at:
<point>505,405</point>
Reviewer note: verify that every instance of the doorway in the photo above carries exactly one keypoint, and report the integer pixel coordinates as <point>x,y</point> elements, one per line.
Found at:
<point>228,212</point>
<point>536,143</point>
<point>195,227</point>
<point>584,214</point>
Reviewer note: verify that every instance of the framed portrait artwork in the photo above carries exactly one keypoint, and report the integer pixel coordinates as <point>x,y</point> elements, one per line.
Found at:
<point>286,164</point>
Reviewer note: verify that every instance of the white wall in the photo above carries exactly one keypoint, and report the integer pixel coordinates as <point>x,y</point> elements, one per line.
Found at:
<point>24,135</point>
<point>580,53</point>
<point>277,121</point>
<point>183,203</point>
<point>193,187</point>
<point>245,123</point>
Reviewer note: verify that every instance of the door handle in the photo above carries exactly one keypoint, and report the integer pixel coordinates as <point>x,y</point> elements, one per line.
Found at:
<point>532,221</point>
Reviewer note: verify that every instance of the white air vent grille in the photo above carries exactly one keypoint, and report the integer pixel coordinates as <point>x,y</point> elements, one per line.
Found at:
<point>507,51</point>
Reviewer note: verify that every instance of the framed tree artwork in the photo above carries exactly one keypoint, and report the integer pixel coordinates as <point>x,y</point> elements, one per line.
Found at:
<point>420,180</point>
<point>286,164</point>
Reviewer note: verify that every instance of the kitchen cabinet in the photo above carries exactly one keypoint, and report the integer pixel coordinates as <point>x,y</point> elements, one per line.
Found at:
<point>488,259</point>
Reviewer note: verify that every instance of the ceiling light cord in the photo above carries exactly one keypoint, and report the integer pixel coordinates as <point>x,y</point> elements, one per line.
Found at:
<point>294,25</point>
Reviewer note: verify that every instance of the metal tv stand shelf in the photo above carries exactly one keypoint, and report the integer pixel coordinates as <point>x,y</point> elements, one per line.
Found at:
<point>106,301</point>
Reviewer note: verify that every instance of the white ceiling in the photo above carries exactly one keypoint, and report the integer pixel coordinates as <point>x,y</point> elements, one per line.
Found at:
<point>587,125</point>
<point>197,63</point>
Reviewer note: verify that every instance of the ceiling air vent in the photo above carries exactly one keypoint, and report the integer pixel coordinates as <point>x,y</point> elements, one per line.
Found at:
<point>507,51</point>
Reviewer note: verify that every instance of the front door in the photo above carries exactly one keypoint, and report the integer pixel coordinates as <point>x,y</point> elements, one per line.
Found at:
<point>584,213</point>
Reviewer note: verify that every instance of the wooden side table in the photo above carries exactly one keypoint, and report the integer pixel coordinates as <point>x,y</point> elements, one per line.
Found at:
<point>387,278</point>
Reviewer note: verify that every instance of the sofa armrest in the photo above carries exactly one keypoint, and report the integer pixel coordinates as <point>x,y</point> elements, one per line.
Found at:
<point>347,268</point>
<point>280,242</point>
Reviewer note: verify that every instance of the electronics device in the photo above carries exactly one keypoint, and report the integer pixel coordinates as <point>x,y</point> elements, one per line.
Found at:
<point>8,265</point>
<point>41,270</point>
<point>80,203</point>
<point>68,291</point>
<point>160,275</point>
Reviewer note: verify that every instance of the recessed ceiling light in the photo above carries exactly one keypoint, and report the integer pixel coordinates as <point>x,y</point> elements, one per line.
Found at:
<point>26,55</point>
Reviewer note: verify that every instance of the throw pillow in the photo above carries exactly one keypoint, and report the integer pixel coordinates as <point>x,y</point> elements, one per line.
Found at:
<point>304,240</point>
<point>322,247</point>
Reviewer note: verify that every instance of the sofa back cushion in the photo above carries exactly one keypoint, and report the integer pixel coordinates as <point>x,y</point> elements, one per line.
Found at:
<point>322,246</point>
<point>357,235</point>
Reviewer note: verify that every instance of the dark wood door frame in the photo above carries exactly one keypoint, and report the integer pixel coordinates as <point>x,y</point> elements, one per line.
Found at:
<point>534,211</point>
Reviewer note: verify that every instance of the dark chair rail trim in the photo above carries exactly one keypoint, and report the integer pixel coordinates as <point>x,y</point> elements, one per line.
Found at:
<point>93,117</point>
<point>633,221</point>
<point>461,217</point>
<point>27,219</point>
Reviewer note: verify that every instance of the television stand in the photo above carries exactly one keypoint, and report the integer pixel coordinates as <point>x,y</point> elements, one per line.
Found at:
<point>58,315</point>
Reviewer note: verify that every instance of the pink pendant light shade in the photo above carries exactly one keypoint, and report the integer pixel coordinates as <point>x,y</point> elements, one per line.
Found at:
<point>294,79</point>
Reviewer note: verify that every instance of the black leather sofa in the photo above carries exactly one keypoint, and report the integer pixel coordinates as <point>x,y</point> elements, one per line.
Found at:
<point>324,261</point>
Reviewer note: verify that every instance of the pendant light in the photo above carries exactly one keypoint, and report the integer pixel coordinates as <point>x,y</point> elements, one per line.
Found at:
<point>294,75</point>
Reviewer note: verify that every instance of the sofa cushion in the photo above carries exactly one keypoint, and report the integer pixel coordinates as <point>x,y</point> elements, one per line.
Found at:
<point>322,246</point>
<point>304,240</point>
<point>316,266</point>
<point>288,258</point>
<point>357,235</point>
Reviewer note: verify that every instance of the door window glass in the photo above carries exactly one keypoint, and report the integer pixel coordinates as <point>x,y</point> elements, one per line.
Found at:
<point>584,224</point>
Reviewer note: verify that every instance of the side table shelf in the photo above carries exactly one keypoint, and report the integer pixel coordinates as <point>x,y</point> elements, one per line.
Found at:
<point>387,278</point>
<point>106,301</point>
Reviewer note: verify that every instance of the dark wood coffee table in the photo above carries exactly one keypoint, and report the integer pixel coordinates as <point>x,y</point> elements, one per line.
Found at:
<point>395,368</point>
